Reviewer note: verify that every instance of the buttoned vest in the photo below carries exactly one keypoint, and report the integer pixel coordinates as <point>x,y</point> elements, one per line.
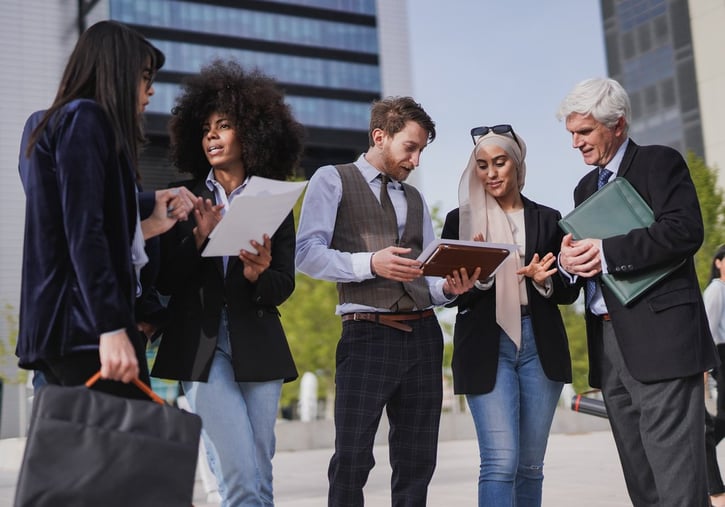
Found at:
<point>361,226</point>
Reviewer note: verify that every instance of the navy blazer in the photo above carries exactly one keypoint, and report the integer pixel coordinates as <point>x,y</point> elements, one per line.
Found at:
<point>476,335</point>
<point>199,291</point>
<point>664,334</point>
<point>78,281</point>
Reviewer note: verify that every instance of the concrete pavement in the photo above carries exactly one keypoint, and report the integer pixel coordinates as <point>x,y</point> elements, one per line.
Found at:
<point>581,468</point>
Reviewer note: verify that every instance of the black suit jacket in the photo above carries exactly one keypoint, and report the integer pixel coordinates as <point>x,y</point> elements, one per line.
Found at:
<point>664,334</point>
<point>476,335</point>
<point>199,290</point>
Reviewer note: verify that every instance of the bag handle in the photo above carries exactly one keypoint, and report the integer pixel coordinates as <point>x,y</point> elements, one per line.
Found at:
<point>136,381</point>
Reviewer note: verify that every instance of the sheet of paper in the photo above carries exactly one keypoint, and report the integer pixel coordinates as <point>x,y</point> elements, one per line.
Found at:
<point>258,210</point>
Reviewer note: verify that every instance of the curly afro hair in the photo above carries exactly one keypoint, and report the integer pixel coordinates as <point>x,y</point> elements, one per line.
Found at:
<point>271,138</point>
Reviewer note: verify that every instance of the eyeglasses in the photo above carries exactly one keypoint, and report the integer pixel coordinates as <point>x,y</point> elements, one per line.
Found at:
<point>477,132</point>
<point>148,77</point>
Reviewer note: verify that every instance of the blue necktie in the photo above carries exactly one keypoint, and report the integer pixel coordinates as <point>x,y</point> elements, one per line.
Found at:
<point>591,286</point>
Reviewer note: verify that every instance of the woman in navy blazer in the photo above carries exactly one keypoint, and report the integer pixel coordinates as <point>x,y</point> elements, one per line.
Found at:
<point>511,355</point>
<point>78,168</point>
<point>224,339</point>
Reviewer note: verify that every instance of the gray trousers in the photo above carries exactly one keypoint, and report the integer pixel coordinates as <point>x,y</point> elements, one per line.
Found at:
<point>659,429</point>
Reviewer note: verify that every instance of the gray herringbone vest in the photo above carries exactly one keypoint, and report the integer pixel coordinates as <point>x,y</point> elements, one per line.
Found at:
<point>361,226</point>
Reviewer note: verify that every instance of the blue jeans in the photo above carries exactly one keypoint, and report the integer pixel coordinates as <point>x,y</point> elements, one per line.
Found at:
<point>512,424</point>
<point>237,427</point>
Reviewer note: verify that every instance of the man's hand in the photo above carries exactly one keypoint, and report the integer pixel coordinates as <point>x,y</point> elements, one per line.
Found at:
<point>459,282</point>
<point>388,263</point>
<point>118,358</point>
<point>582,257</point>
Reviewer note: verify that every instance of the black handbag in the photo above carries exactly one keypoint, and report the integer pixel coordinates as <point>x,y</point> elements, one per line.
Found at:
<point>88,448</point>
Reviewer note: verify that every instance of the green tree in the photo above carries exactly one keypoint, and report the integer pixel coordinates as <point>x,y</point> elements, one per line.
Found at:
<point>576,332</point>
<point>713,211</point>
<point>313,330</point>
<point>9,372</point>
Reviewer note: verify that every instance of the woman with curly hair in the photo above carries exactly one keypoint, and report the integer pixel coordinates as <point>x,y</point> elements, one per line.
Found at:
<point>224,340</point>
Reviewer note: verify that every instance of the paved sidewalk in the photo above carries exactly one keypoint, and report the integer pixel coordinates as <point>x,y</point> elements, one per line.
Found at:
<point>581,469</point>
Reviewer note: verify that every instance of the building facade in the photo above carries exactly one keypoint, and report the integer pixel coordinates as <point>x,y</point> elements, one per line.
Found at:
<point>668,56</point>
<point>324,54</point>
<point>649,50</point>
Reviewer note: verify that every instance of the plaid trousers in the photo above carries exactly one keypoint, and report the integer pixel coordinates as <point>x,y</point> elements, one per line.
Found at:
<point>378,366</point>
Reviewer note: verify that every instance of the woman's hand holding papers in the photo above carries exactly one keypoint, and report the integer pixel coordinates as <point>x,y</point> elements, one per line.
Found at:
<point>257,263</point>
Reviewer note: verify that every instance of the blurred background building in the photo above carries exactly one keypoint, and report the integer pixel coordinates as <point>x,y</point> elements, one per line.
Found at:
<point>668,55</point>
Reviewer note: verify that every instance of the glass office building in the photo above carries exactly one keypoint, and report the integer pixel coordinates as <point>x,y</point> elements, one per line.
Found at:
<point>324,54</point>
<point>649,50</point>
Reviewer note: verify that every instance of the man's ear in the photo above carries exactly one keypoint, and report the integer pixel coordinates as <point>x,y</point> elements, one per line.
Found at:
<point>378,135</point>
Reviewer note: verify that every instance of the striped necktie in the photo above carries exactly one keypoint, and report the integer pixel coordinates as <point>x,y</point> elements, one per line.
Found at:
<point>591,286</point>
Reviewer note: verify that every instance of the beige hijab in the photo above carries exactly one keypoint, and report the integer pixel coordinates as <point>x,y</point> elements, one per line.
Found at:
<point>479,212</point>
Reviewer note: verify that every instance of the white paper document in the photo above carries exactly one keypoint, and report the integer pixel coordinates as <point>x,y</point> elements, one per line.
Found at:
<point>258,210</point>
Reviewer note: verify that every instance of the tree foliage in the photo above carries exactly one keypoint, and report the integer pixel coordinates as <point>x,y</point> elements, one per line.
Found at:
<point>575,329</point>
<point>713,211</point>
<point>313,330</point>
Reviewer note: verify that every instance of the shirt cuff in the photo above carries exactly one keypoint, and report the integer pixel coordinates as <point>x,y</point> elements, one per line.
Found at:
<point>547,289</point>
<point>361,265</point>
<point>112,333</point>
<point>570,278</point>
<point>484,285</point>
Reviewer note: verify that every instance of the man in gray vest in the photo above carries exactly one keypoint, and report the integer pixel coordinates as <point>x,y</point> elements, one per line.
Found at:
<point>363,228</point>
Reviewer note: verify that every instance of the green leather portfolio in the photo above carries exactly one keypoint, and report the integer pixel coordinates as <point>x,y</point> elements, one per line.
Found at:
<point>616,209</point>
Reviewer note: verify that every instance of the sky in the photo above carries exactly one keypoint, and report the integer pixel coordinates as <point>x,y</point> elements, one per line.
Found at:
<point>486,62</point>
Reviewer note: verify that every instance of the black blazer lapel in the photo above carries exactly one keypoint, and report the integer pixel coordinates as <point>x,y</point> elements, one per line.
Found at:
<point>627,159</point>
<point>532,229</point>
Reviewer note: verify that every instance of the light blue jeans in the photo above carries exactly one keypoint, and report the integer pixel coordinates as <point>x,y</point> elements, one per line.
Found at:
<point>512,424</point>
<point>237,427</point>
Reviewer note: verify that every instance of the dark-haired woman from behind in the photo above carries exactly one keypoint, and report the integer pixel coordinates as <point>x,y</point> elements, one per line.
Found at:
<point>84,246</point>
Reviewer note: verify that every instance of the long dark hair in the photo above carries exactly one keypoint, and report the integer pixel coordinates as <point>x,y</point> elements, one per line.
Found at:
<point>271,138</point>
<point>719,255</point>
<point>107,65</point>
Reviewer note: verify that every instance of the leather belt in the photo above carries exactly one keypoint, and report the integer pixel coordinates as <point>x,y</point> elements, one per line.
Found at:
<point>605,316</point>
<point>394,320</point>
<point>525,310</point>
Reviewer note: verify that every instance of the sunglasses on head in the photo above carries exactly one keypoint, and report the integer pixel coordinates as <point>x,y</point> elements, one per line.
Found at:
<point>478,132</point>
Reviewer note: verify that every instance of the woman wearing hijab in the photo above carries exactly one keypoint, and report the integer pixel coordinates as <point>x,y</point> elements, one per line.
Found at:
<point>511,354</point>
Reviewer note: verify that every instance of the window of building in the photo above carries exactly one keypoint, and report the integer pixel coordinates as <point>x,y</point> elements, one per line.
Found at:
<point>310,111</point>
<point>644,38</point>
<point>357,6</point>
<point>189,58</point>
<point>236,22</point>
